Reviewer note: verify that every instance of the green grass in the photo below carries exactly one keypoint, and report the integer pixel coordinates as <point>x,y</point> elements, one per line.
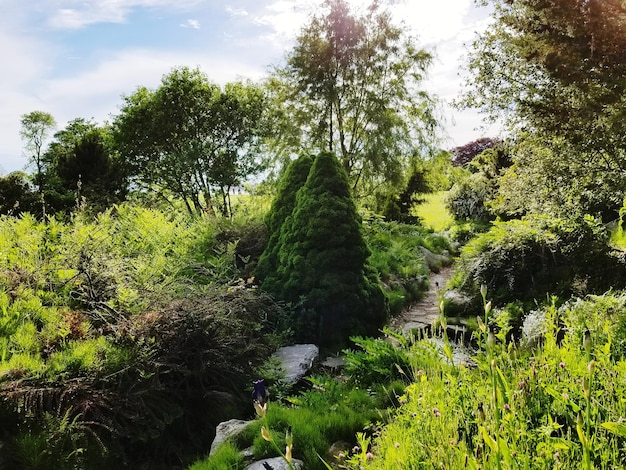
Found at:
<point>433,212</point>
<point>618,238</point>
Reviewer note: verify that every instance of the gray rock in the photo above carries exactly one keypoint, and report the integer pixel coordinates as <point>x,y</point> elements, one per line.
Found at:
<point>276,463</point>
<point>434,261</point>
<point>334,362</point>
<point>227,429</point>
<point>297,360</point>
<point>456,302</point>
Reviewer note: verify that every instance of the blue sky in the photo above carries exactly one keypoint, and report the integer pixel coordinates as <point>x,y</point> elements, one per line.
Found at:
<point>76,58</point>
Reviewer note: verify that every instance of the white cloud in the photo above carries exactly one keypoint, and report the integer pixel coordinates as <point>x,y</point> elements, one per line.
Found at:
<point>98,92</point>
<point>83,13</point>
<point>193,24</point>
<point>236,11</point>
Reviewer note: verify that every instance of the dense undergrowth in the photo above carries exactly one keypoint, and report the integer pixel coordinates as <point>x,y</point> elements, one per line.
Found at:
<point>124,340</point>
<point>553,400</point>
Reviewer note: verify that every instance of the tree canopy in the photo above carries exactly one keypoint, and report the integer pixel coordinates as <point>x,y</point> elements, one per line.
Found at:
<point>351,86</point>
<point>553,71</point>
<point>191,137</point>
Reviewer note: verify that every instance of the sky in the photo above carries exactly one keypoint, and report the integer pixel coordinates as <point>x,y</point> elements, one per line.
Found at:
<point>77,58</point>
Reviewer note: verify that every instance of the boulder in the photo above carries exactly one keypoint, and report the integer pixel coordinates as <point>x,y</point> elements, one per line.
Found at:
<point>457,303</point>
<point>277,463</point>
<point>296,361</point>
<point>434,261</point>
<point>227,429</point>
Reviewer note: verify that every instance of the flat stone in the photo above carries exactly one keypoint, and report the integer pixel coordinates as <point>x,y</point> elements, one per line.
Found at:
<point>297,360</point>
<point>227,429</point>
<point>276,463</point>
<point>334,362</point>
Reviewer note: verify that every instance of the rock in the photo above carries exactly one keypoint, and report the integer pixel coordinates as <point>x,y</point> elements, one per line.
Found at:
<point>227,429</point>
<point>296,361</point>
<point>434,261</point>
<point>334,362</point>
<point>277,463</point>
<point>456,302</point>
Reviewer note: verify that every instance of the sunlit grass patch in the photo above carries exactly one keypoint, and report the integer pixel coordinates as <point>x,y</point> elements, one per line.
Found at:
<point>433,212</point>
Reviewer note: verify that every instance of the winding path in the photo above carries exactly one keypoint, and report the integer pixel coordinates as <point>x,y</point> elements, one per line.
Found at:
<point>426,310</point>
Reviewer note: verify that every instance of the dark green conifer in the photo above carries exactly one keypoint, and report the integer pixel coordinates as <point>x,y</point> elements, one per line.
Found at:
<point>323,257</point>
<point>292,180</point>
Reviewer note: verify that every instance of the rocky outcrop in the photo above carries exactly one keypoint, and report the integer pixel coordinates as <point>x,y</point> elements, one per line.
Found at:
<point>296,361</point>
<point>227,429</point>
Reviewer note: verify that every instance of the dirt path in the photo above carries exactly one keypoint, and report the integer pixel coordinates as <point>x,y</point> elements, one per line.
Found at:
<point>426,310</point>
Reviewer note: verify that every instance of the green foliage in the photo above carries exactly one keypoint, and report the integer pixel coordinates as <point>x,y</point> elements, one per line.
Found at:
<point>530,258</point>
<point>471,196</point>
<point>226,457</point>
<point>549,407</point>
<point>293,179</point>
<point>129,331</point>
<point>82,171</point>
<point>433,212</point>
<point>466,200</point>
<point>552,72</point>
<point>192,137</point>
<point>323,258</point>
<point>351,85</point>
<point>16,194</point>
<point>398,259</point>
<point>331,411</point>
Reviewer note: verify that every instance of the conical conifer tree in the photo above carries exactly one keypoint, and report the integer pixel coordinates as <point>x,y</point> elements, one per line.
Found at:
<point>291,181</point>
<point>323,257</point>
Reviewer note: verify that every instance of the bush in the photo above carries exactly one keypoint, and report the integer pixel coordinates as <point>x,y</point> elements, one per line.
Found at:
<point>466,200</point>
<point>540,255</point>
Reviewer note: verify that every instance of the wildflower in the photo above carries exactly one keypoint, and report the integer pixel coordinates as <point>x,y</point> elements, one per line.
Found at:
<point>488,307</point>
<point>591,366</point>
<point>565,396</point>
<point>341,456</point>
<point>355,449</point>
<point>369,456</point>
<point>397,444</point>
<point>259,394</point>
<point>483,290</point>
<point>260,409</point>
<point>289,442</point>
<point>452,442</point>
<point>265,434</point>
<point>420,372</point>
<point>587,341</point>
<point>507,407</point>
<point>436,412</point>
<point>562,365</point>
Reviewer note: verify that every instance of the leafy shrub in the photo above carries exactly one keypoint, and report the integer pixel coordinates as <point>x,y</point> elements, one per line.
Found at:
<point>466,199</point>
<point>132,331</point>
<point>530,258</point>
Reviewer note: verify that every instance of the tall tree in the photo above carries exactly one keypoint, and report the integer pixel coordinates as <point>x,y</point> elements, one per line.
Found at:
<point>323,257</point>
<point>351,86</point>
<point>553,70</point>
<point>191,137</point>
<point>81,167</point>
<point>36,128</point>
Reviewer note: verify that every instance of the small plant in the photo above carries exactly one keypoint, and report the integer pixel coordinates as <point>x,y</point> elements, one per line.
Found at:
<point>260,401</point>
